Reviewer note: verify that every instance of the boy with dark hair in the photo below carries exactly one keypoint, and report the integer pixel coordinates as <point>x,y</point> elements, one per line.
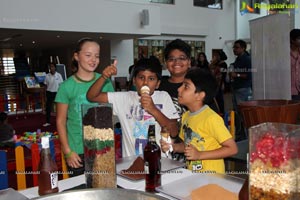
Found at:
<point>206,140</point>
<point>138,109</point>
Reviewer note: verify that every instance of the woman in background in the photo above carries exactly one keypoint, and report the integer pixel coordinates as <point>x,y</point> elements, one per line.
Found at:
<point>202,61</point>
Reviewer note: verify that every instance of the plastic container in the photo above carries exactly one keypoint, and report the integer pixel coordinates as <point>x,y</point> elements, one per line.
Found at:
<point>99,148</point>
<point>274,161</point>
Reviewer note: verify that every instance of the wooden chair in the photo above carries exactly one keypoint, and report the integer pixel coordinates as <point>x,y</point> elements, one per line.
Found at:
<point>20,168</point>
<point>229,118</point>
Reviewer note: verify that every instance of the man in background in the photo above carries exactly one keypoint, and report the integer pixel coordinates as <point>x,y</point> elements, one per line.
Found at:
<point>295,63</point>
<point>6,130</point>
<point>241,76</point>
<point>52,81</point>
<point>241,84</point>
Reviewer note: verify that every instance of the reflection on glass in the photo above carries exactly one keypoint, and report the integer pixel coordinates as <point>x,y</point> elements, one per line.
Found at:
<point>215,4</point>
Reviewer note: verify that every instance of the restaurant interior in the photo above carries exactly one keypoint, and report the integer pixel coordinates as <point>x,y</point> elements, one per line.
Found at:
<point>25,53</point>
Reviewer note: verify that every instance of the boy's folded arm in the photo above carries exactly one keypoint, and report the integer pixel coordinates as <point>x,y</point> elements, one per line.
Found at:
<point>94,93</point>
<point>228,148</point>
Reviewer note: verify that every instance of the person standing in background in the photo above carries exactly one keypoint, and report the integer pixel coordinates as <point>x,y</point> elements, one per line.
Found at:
<point>202,61</point>
<point>52,81</point>
<point>295,63</point>
<point>241,76</point>
<point>70,96</point>
<point>6,130</point>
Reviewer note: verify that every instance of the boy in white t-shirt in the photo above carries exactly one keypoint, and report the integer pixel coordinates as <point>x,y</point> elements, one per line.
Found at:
<point>137,110</point>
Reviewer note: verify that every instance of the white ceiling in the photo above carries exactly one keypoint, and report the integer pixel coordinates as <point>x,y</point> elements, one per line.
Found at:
<point>23,39</point>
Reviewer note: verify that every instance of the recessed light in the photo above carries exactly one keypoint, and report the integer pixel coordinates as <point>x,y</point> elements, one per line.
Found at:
<point>33,42</point>
<point>21,45</point>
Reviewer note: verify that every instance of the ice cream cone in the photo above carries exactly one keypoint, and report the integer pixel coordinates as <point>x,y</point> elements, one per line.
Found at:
<point>145,89</point>
<point>165,135</point>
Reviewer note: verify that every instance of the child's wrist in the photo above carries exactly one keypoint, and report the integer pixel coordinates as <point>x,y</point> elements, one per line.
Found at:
<point>104,77</point>
<point>68,155</point>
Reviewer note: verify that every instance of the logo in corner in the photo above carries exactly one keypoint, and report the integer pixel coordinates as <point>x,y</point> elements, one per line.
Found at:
<point>245,8</point>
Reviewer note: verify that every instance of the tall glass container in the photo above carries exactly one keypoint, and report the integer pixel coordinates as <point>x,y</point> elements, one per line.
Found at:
<point>99,151</point>
<point>274,161</point>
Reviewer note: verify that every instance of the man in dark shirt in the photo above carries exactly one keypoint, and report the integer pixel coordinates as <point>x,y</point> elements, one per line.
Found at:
<point>241,76</point>
<point>6,130</point>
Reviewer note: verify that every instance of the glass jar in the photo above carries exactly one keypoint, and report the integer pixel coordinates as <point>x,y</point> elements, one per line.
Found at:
<point>274,161</point>
<point>99,151</point>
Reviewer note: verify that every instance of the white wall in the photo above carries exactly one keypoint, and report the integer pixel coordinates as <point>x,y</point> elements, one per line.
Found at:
<point>215,27</point>
<point>297,15</point>
<point>123,50</point>
<point>242,25</point>
<point>84,16</point>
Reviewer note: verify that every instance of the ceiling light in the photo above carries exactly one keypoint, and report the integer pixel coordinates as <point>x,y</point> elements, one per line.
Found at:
<point>33,42</point>
<point>58,36</point>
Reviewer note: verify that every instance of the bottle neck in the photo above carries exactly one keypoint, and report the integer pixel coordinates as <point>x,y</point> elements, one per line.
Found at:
<point>46,151</point>
<point>151,133</point>
<point>151,138</point>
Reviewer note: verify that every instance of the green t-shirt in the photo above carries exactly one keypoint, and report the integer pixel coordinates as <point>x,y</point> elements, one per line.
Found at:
<point>73,93</point>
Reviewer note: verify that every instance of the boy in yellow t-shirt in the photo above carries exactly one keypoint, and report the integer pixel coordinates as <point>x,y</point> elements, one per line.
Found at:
<point>206,140</point>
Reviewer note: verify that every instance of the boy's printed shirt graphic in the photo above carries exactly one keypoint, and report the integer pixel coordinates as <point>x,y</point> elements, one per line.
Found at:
<point>142,121</point>
<point>189,137</point>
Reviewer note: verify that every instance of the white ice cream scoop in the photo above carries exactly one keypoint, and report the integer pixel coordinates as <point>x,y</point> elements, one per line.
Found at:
<point>145,89</point>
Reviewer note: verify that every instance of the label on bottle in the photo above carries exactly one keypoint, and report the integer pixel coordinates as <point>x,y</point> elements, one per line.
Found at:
<point>140,148</point>
<point>54,180</point>
<point>146,167</point>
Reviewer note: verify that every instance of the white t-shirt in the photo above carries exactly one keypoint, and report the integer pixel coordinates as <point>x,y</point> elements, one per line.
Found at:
<point>53,81</point>
<point>135,120</point>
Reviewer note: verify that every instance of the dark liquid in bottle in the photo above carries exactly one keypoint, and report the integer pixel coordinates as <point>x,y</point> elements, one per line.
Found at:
<point>48,177</point>
<point>152,156</point>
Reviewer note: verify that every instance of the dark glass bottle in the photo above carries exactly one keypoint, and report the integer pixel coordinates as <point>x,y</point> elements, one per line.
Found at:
<point>48,177</point>
<point>152,156</point>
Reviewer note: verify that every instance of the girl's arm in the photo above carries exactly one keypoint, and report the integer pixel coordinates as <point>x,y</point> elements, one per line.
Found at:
<point>72,158</point>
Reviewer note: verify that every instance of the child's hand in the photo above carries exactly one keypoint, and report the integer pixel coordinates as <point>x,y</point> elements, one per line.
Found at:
<point>164,145</point>
<point>147,103</point>
<point>191,153</point>
<point>110,70</point>
<point>74,160</point>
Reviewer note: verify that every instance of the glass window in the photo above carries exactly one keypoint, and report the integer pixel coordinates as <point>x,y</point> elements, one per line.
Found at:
<point>215,4</point>
<point>7,66</point>
<point>162,1</point>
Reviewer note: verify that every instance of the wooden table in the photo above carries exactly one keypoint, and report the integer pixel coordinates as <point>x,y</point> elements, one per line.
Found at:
<point>29,92</point>
<point>121,182</point>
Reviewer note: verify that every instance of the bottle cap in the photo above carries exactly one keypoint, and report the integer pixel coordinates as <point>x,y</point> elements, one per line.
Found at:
<point>45,142</point>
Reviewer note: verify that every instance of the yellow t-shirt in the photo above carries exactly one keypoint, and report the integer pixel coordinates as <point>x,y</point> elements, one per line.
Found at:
<point>205,130</point>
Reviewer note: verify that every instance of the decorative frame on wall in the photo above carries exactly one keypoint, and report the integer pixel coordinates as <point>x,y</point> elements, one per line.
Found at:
<point>215,4</point>
<point>146,48</point>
